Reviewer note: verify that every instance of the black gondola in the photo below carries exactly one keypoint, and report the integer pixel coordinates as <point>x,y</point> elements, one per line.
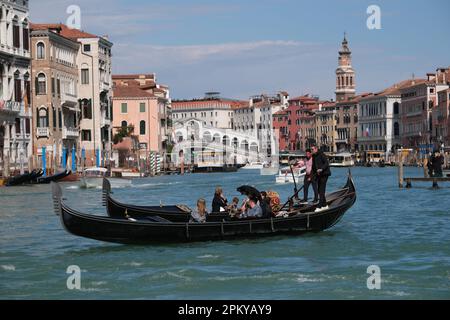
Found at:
<point>176,213</point>
<point>24,178</point>
<point>53,178</point>
<point>151,230</point>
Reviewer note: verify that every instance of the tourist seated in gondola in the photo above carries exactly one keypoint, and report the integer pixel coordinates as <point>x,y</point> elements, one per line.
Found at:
<point>253,209</point>
<point>199,214</point>
<point>233,208</point>
<point>265,205</point>
<point>219,203</point>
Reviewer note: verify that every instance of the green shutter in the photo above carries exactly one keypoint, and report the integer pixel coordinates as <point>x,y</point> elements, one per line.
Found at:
<point>124,108</point>
<point>142,107</point>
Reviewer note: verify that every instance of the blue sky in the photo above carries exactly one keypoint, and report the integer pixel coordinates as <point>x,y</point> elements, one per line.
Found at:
<point>247,47</point>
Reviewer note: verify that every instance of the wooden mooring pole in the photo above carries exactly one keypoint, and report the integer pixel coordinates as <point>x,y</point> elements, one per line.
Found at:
<point>400,170</point>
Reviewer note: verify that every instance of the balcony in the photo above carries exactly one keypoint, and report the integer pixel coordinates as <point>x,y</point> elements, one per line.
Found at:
<point>70,133</point>
<point>42,132</point>
<point>338,140</point>
<point>69,99</point>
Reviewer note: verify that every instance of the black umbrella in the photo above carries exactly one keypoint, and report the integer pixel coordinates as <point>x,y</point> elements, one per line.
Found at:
<point>250,192</point>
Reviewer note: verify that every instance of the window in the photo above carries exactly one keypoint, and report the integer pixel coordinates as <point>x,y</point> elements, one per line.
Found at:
<point>16,36</point>
<point>87,109</point>
<point>124,108</point>
<point>18,90</point>
<point>60,118</point>
<point>87,48</point>
<point>142,107</point>
<point>40,51</point>
<point>142,128</point>
<point>54,117</point>
<point>124,124</point>
<point>86,135</point>
<point>25,34</point>
<point>396,129</point>
<point>396,108</point>
<point>84,76</point>
<point>41,84</point>
<point>42,118</point>
<point>58,86</point>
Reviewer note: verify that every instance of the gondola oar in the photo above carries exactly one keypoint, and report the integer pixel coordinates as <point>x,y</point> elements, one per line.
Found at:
<point>295,182</point>
<point>291,198</point>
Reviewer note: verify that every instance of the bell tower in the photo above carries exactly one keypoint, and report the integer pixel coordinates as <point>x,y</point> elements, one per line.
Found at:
<point>345,75</point>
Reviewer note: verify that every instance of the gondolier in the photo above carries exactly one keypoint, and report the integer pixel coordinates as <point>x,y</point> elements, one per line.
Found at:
<point>321,167</point>
<point>310,178</point>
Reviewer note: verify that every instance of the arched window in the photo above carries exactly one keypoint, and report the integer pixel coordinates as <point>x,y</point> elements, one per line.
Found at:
<point>40,50</point>
<point>41,84</point>
<point>124,124</point>
<point>396,108</point>
<point>142,128</point>
<point>42,118</point>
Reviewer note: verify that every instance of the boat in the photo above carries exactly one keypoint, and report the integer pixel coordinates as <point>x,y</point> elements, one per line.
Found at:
<point>24,178</point>
<point>93,178</point>
<point>285,175</point>
<point>55,177</point>
<point>269,171</point>
<point>174,213</point>
<point>253,166</point>
<point>342,160</point>
<point>158,230</point>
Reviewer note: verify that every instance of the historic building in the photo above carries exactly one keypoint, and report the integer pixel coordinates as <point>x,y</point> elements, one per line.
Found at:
<point>347,123</point>
<point>212,110</point>
<point>142,104</point>
<point>55,96</point>
<point>441,112</point>
<point>380,119</point>
<point>15,87</point>
<point>345,75</point>
<point>418,101</point>
<point>326,122</point>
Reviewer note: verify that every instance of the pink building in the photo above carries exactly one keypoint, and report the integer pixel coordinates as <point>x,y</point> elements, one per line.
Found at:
<point>134,107</point>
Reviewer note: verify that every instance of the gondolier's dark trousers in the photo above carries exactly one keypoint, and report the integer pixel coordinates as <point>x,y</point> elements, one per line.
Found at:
<point>322,186</point>
<point>307,183</point>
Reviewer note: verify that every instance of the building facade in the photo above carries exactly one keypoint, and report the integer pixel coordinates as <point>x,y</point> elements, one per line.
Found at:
<point>15,87</point>
<point>380,119</point>
<point>326,125</point>
<point>55,98</point>
<point>160,107</point>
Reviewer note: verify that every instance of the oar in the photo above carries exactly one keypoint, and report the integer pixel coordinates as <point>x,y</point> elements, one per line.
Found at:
<point>290,199</point>
<point>293,177</point>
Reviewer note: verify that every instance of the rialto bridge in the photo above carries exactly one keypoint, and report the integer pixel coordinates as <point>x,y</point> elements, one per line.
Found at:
<point>197,143</point>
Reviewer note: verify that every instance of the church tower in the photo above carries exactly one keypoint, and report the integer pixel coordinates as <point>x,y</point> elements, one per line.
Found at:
<point>345,75</point>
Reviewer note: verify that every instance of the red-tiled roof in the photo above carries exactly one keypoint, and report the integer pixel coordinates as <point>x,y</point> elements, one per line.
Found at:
<point>150,76</point>
<point>130,92</point>
<point>63,30</point>
<point>195,104</point>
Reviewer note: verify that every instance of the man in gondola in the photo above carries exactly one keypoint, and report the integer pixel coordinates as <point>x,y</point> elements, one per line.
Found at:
<point>321,167</point>
<point>310,178</point>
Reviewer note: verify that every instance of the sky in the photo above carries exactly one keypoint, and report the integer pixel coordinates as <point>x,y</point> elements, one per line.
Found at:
<point>249,47</point>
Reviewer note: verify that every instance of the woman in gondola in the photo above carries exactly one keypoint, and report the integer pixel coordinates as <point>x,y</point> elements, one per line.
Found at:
<point>219,203</point>
<point>199,214</point>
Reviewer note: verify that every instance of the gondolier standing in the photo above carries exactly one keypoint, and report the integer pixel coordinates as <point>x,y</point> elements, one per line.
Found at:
<point>321,168</point>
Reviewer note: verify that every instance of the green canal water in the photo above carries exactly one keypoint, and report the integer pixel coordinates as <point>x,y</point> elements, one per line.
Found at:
<point>404,232</point>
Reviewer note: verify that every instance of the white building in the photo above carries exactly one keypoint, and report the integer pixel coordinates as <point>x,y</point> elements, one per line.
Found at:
<point>15,89</point>
<point>380,120</point>
<point>212,111</point>
<point>94,60</point>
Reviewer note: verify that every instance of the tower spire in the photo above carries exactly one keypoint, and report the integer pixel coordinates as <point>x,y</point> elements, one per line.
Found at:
<point>345,75</point>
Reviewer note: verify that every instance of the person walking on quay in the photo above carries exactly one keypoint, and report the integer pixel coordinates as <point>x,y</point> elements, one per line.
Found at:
<point>437,163</point>
<point>321,168</point>
<point>310,179</point>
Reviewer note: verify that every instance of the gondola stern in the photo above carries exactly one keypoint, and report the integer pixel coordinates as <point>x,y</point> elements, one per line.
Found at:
<point>106,191</point>
<point>57,197</point>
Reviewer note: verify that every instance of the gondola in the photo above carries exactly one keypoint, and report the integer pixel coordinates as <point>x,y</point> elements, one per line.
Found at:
<point>158,230</point>
<point>53,178</point>
<point>24,178</point>
<point>175,213</point>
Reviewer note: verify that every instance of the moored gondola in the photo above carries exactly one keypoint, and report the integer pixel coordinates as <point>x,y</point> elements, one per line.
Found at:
<point>24,178</point>
<point>158,230</point>
<point>178,213</point>
<point>53,178</point>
